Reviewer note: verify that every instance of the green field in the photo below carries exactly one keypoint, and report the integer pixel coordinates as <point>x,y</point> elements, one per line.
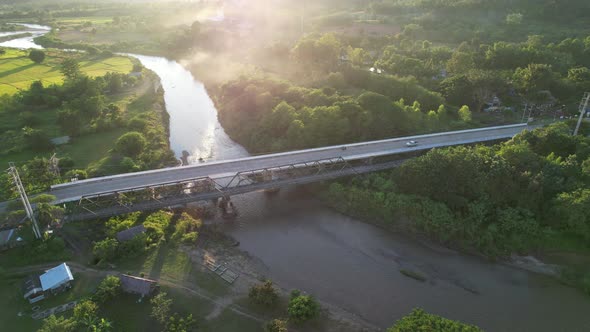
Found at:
<point>17,71</point>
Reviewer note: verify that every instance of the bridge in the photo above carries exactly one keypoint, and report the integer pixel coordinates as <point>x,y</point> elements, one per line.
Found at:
<point>155,189</point>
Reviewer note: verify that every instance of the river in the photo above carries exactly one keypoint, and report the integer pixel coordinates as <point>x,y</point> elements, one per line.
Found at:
<point>342,261</point>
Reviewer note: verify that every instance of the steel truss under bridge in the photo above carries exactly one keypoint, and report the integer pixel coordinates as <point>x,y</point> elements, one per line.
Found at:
<point>163,195</point>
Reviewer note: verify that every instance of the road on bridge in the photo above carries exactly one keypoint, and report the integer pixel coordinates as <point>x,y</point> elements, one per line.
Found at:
<point>357,151</point>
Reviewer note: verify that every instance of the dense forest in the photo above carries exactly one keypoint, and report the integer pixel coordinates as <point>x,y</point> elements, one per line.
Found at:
<point>529,194</point>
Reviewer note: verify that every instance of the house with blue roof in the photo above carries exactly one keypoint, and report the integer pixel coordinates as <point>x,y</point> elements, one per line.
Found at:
<point>53,281</point>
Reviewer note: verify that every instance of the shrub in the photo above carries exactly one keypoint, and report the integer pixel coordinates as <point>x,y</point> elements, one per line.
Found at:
<point>161,307</point>
<point>185,229</point>
<point>43,198</point>
<point>156,225</point>
<point>37,56</point>
<point>105,249</point>
<point>131,144</point>
<point>264,294</point>
<point>419,320</point>
<point>276,325</point>
<point>66,163</point>
<point>79,174</point>
<point>302,307</point>
<point>189,238</point>
<point>53,323</point>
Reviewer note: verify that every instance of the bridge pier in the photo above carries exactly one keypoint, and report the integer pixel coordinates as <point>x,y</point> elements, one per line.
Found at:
<point>268,176</point>
<point>228,210</point>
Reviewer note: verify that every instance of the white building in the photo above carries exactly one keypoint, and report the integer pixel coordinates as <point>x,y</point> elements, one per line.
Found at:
<point>52,281</point>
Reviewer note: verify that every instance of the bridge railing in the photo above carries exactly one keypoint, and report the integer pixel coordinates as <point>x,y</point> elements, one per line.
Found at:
<point>203,188</point>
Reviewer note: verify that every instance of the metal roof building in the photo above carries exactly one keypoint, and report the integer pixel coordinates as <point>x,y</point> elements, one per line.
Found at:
<point>56,277</point>
<point>130,233</point>
<point>137,285</point>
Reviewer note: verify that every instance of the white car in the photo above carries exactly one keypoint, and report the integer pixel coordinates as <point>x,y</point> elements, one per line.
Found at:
<point>411,143</point>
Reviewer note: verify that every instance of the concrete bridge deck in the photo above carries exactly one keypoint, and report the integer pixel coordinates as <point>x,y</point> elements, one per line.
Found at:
<point>350,152</point>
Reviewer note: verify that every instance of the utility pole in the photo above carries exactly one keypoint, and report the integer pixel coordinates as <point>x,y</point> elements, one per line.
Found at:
<point>23,195</point>
<point>54,165</point>
<point>583,107</point>
<point>526,106</point>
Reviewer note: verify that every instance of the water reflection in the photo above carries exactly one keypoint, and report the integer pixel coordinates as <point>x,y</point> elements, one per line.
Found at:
<point>26,42</point>
<point>193,119</point>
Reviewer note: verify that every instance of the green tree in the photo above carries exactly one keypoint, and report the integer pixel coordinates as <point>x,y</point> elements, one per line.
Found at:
<point>69,120</point>
<point>70,68</point>
<point>105,249</point>
<point>37,56</point>
<point>534,77</point>
<point>131,144</point>
<point>579,74</point>
<point>572,209</point>
<point>465,113</point>
<point>48,214</point>
<point>302,308</point>
<point>357,56</point>
<point>460,63</point>
<point>180,324</point>
<point>85,313</point>
<point>161,305</point>
<point>37,139</point>
<point>108,289</point>
<point>264,294</point>
<point>419,320</point>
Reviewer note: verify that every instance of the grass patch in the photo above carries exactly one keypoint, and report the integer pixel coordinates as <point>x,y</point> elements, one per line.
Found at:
<point>17,71</point>
<point>163,261</point>
<point>11,303</point>
<point>35,252</point>
<point>211,282</point>
<point>231,321</point>
<point>185,303</point>
<point>128,313</point>
<point>278,310</point>
<point>99,144</point>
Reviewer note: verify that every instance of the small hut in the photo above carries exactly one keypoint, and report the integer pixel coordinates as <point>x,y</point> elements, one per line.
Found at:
<point>137,285</point>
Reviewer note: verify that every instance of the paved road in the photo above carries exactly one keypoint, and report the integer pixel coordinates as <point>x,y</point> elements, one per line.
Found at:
<point>357,151</point>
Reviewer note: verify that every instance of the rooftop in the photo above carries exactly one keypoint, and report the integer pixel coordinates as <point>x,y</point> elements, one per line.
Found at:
<point>130,233</point>
<point>56,276</point>
<point>142,286</point>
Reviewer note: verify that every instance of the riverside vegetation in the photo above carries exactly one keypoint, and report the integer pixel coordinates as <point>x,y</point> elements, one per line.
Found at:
<point>115,121</point>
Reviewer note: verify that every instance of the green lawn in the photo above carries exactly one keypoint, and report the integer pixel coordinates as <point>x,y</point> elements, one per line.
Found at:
<point>168,262</point>
<point>99,144</point>
<point>17,71</point>
<point>83,19</point>
<point>11,303</point>
<point>231,321</point>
